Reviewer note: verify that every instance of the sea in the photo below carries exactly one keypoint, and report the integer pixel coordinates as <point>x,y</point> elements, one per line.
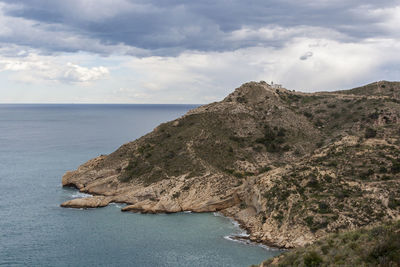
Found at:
<point>40,142</point>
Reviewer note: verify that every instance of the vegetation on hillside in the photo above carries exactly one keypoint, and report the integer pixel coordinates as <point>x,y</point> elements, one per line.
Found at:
<point>372,246</point>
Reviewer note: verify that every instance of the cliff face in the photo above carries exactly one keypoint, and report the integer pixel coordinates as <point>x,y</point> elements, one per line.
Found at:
<point>291,167</point>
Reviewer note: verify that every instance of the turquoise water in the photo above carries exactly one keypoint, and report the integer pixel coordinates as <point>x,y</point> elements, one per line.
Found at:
<point>38,143</point>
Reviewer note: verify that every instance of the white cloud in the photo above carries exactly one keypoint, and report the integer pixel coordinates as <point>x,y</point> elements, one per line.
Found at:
<point>34,68</point>
<point>75,73</point>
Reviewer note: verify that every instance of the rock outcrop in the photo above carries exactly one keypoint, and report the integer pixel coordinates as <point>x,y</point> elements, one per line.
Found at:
<point>290,167</point>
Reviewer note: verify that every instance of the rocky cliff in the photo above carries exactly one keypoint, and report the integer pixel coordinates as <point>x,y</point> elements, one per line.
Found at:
<point>289,166</point>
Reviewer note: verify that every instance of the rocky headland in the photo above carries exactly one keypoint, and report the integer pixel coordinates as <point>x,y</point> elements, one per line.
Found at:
<point>291,167</point>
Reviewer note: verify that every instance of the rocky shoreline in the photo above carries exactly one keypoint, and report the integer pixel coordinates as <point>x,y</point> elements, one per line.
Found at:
<point>97,200</point>
<point>93,201</point>
<point>250,235</point>
<point>147,199</point>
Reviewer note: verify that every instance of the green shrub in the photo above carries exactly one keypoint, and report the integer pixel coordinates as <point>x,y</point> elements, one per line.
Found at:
<point>257,148</point>
<point>312,259</point>
<point>335,115</point>
<point>314,184</point>
<point>308,114</point>
<point>328,178</point>
<point>272,139</point>
<point>264,169</point>
<point>395,166</point>
<point>241,99</point>
<point>238,174</point>
<point>279,217</point>
<point>365,175</point>
<point>236,139</point>
<point>323,208</point>
<point>281,132</point>
<point>319,123</point>
<point>176,194</point>
<point>325,249</point>
<point>393,203</point>
<point>309,221</point>
<point>370,133</point>
<point>263,219</point>
<point>382,169</point>
<point>243,205</point>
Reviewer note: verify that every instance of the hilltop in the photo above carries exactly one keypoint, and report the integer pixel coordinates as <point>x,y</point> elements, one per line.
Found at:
<point>291,167</point>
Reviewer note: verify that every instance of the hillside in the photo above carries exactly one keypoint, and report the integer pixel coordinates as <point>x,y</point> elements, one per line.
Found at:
<point>367,246</point>
<point>291,167</point>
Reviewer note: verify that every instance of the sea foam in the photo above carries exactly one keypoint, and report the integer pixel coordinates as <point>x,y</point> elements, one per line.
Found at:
<point>80,195</point>
<point>241,235</point>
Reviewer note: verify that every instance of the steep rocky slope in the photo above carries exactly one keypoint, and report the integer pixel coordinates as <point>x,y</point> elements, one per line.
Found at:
<point>290,166</point>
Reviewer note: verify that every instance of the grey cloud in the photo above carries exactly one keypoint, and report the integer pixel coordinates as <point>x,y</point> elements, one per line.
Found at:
<point>170,27</point>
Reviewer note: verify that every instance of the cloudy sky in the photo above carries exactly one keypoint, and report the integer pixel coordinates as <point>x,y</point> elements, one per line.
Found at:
<point>171,51</point>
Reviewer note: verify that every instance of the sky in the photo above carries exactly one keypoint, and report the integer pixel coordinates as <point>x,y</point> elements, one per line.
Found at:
<point>171,51</point>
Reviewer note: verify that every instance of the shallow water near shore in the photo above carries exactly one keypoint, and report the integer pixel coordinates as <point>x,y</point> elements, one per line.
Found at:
<point>38,143</point>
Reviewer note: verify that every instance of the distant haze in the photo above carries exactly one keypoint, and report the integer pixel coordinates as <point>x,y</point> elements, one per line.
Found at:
<point>136,51</point>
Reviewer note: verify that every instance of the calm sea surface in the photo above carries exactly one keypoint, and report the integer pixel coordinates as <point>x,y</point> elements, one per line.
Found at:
<point>38,143</point>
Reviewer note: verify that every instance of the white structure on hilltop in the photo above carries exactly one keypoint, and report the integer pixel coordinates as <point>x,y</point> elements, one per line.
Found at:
<point>276,86</point>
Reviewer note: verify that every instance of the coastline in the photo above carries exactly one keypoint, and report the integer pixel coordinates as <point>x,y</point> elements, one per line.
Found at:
<point>248,231</point>
<point>243,237</point>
